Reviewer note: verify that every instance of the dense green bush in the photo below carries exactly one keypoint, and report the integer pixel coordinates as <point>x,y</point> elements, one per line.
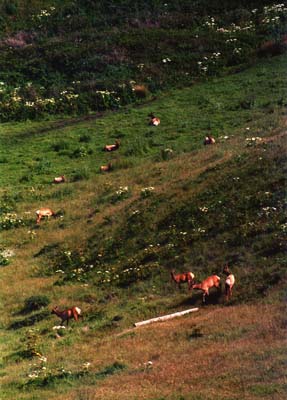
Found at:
<point>35,303</point>
<point>98,69</point>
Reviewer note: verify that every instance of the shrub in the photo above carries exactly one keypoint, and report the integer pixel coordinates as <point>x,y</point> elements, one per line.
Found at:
<point>121,194</point>
<point>3,261</point>
<point>61,145</point>
<point>80,175</point>
<point>43,165</point>
<point>26,178</point>
<point>11,7</point>
<point>81,152</point>
<point>166,154</point>
<point>84,138</point>
<point>35,303</point>
<point>10,221</point>
<point>147,191</point>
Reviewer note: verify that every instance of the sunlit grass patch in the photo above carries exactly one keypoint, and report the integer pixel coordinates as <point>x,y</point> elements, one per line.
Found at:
<point>267,389</point>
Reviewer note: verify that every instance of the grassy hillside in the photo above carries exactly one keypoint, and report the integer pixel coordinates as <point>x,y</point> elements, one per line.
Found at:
<point>77,75</point>
<point>169,202</point>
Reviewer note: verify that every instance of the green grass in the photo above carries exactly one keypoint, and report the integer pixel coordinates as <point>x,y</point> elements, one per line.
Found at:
<point>133,242</point>
<point>39,155</point>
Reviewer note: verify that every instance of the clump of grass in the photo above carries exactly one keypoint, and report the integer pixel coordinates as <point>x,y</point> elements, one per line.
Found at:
<point>29,321</point>
<point>41,378</point>
<point>5,257</point>
<point>85,138</point>
<point>60,146</point>
<point>35,303</point>
<point>10,221</point>
<point>81,174</point>
<point>81,152</point>
<point>112,369</point>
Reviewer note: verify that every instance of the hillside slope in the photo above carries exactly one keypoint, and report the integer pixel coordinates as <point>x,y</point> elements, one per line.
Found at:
<point>169,203</point>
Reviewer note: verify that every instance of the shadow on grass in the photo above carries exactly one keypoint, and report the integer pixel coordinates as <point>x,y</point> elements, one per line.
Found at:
<point>195,299</point>
<point>72,377</point>
<point>18,356</point>
<point>29,321</point>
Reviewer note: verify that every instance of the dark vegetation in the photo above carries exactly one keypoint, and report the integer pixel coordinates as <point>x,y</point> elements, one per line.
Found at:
<point>74,57</point>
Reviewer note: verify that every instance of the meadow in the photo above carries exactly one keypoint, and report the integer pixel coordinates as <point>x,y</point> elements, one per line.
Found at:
<point>169,202</point>
<point>191,208</point>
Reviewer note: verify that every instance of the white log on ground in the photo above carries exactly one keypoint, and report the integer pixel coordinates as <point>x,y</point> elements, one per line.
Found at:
<point>166,317</point>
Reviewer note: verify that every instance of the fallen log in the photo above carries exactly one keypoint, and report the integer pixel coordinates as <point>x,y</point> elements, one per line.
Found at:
<point>165,317</point>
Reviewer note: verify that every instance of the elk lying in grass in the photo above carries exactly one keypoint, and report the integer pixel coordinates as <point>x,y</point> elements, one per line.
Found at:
<point>183,278</point>
<point>106,168</point>
<point>59,179</point>
<point>154,121</point>
<point>208,283</point>
<point>112,147</point>
<point>229,282</point>
<point>43,213</point>
<point>66,315</point>
<point>209,140</point>
<point>140,91</point>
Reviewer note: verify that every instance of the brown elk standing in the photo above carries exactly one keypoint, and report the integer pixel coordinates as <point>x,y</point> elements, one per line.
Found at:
<point>66,315</point>
<point>44,212</point>
<point>183,278</point>
<point>206,284</point>
<point>112,147</point>
<point>229,283</point>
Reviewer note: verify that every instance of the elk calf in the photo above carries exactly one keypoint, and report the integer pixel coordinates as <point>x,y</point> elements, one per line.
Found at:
<point>183,278</point>
<point>66,315</point>
<point>229,283</point>
<point>208,283</point>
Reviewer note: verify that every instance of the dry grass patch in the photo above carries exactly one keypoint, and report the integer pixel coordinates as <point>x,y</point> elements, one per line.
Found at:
<point>231,357</point>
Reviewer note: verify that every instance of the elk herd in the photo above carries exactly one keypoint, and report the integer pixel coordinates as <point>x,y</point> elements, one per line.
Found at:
<point>206,284</point>
<point>186,277</point>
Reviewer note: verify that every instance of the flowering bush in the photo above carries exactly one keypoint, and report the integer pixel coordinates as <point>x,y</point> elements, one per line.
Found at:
<point>146,192</point>
<point>274,18</point>
<point>3,260</point>
<point>120,194</point>
<point>209,65</point>
<point>166,154</point>
<point>5,254</point>
<point>10,221</point>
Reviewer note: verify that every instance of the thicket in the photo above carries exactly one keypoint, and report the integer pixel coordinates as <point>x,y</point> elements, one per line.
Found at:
<point>76,57</point>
